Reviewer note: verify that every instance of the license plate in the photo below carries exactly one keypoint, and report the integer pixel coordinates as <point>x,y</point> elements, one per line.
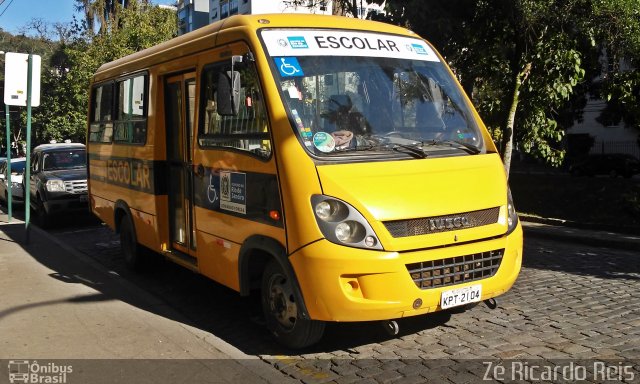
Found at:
<point>460,296</point>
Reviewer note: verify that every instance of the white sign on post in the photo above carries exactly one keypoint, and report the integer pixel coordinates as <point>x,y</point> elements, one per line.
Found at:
<point>15,79</point>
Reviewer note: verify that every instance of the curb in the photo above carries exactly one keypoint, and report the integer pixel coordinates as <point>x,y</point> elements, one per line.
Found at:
<point>553,230</point>
<point>621,229</point>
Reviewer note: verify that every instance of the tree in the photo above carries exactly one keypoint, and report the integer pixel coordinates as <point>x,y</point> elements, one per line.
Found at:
<point>107,12</point>
<point>618,34</point>
<point>508,54</point>
<point>40,45</point>
<point>69,63</point>
<point>137,26</point>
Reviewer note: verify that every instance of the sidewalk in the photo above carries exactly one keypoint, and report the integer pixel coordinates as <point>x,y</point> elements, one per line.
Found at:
<point>592,237</point>
<point>56,304</point>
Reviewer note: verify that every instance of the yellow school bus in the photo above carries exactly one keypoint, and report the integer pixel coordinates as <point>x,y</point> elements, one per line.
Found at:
<point>333,166</point>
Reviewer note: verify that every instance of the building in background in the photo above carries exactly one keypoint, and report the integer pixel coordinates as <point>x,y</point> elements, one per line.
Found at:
<point>192,14</point>
<point>590,135</point>
<point>221,9</point>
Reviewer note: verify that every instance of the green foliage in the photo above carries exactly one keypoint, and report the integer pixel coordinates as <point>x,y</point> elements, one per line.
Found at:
<point>137,27</point>
<point>68,66</point>
<point>23,44</point>
<point>622,92</point>
<point>490,45</point>
<point>632,201</point>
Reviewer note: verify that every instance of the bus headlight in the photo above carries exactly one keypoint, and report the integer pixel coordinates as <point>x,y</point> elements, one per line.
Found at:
<point>342,224</point>
<point>331,210</point>
<point>55,185</point>
<point>512,216</point>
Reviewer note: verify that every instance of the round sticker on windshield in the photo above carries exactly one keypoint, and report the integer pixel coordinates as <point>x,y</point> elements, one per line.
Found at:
<point>324,142</point>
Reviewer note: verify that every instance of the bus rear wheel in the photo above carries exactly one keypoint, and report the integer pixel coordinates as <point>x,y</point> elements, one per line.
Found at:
<point>131,250</point>
<point>281,311</point>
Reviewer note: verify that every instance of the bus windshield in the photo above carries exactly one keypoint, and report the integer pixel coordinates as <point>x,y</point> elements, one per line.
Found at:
<point>342,105</point>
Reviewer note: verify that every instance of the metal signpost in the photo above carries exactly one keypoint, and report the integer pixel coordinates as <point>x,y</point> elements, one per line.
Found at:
<point>9,195</point>
<point>22,88</point>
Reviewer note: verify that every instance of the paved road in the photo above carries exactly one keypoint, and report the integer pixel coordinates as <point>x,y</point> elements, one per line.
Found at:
<point>571,301</point>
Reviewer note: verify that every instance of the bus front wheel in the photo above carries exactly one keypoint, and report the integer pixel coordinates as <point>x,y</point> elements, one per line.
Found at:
<point>281,310</point>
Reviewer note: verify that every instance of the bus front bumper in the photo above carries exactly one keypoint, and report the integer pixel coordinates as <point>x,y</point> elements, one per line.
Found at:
<point>340,283</point>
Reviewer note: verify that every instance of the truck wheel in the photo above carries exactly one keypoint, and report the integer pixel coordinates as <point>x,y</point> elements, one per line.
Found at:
<point>281,311</point>
<point>41,214</point>
<point>131,250</point>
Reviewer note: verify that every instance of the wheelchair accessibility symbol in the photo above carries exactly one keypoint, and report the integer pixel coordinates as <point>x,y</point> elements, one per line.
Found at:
<point>212,194</point>
<point>289,66</point>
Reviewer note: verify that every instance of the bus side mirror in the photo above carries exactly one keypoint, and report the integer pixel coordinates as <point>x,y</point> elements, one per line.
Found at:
<point>228,93</point>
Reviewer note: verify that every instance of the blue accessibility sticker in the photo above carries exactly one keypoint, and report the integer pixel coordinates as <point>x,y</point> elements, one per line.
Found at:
<point>419,49</point>
<point>288,67</point>
<point>297,42</point>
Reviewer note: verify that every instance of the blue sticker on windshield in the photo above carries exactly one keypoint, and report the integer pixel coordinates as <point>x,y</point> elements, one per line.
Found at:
<point>419,49</point>
<point>297,42</point>
<point>288,66</point>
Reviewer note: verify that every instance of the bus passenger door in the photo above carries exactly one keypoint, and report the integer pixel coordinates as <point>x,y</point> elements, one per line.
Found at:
<point>180,92</point>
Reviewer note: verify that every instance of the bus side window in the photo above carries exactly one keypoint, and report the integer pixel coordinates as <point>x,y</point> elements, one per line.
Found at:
<point>248,130</point>
<point>101,124</point>
<point>131,111</point>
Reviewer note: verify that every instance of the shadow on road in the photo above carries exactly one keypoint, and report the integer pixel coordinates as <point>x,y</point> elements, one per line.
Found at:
<point>58,222</point>
<point>575,259</point>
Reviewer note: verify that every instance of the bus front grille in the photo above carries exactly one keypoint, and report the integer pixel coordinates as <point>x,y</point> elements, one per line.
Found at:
<point>437,224</point>
<point>455,270</point>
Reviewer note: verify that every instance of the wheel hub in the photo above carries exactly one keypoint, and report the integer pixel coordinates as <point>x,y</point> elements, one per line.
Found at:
<point>282,302</point>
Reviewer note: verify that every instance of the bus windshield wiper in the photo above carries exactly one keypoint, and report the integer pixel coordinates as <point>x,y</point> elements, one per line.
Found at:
<point>355,149</point>
<point>413,150</point>
<point>469,148</point>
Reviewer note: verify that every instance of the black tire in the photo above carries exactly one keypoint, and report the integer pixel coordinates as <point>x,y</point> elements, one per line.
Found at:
<point>42,217</point>
<point>133,254</point>
<point>281,312</point>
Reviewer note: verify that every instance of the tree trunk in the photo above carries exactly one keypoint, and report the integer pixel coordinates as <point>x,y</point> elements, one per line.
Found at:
<point>507,138</point>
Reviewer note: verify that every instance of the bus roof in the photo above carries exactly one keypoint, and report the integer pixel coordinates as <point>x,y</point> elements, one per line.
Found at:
<point>188,43</point>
